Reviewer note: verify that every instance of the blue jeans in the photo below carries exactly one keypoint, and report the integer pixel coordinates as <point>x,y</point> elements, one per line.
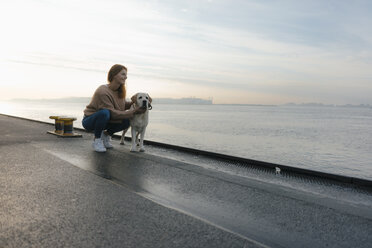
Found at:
<point>99,121</point>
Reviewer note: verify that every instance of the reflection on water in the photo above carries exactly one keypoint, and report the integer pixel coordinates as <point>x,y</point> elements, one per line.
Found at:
<point>7,108</point>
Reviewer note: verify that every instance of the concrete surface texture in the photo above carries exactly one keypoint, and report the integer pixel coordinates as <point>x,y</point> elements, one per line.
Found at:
<point>58,192</point>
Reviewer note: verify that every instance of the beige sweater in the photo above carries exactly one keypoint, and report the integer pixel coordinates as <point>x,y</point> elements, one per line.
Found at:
<point>105,98</point>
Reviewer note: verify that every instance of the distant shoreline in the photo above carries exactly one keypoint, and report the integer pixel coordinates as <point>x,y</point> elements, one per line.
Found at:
<point>193,101</point>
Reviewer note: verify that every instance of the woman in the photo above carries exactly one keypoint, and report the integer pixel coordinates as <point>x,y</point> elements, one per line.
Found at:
<point>108,112</point>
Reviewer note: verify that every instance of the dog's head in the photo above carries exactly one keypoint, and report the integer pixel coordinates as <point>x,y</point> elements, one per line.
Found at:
<point>142,100</point>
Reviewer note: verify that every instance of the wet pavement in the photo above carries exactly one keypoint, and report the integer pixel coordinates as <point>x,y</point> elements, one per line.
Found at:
<point>59,192</point>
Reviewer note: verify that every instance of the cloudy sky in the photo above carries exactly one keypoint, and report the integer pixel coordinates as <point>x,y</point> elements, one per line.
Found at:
<point>237,51</point>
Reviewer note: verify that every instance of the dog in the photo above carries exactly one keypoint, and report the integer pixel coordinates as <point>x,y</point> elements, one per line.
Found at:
<point>138,122</point>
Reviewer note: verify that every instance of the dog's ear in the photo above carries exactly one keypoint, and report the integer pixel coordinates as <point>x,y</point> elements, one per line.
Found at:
<point>134,98</point>
<point>150,99</point>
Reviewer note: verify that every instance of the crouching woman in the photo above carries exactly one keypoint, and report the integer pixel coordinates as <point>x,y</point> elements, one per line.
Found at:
<point>108,112</point>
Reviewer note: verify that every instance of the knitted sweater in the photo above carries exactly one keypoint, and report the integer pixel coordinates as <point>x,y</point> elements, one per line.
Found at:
<point>105,98</point>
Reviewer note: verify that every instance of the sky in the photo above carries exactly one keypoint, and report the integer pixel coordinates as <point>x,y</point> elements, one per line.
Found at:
<point>234,52</point>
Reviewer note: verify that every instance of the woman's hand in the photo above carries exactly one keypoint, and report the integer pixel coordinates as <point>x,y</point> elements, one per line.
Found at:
<point>139,110</point>
<point>132,112</point>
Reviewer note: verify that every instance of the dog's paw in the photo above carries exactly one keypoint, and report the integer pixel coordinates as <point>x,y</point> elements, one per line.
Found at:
<point>133,149</point>
<point>122,143</point>
<point>142,149</point>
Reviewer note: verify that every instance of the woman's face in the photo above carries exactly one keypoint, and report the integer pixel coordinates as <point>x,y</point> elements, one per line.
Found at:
<point>119,79</point>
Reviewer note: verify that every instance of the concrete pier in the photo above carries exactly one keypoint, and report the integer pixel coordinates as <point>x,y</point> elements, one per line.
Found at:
<point>58,192</point>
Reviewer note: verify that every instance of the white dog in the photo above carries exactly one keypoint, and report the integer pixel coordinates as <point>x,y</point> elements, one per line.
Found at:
<point>138,122</point>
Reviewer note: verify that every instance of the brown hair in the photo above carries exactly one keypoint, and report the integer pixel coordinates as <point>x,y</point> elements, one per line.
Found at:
<point>114,70</point>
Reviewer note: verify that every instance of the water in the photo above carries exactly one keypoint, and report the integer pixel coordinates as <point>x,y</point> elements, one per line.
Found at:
<point>329,139</point>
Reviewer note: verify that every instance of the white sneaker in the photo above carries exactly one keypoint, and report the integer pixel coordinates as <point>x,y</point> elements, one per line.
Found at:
<point>106,140</point>
<point>98,145</point>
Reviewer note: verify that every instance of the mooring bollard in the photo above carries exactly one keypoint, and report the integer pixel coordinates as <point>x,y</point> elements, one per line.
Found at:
<point>58,125</point>
<point>64,126</point>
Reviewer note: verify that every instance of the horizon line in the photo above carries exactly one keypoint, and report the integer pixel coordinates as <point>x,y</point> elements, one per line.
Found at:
<point>207,100</point>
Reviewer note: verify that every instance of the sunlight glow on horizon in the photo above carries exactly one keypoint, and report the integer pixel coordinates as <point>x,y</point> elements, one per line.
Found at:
<point>234,51</point>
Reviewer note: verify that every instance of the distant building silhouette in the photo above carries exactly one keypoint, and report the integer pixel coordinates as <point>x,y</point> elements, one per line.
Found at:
<point>191,100</point>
